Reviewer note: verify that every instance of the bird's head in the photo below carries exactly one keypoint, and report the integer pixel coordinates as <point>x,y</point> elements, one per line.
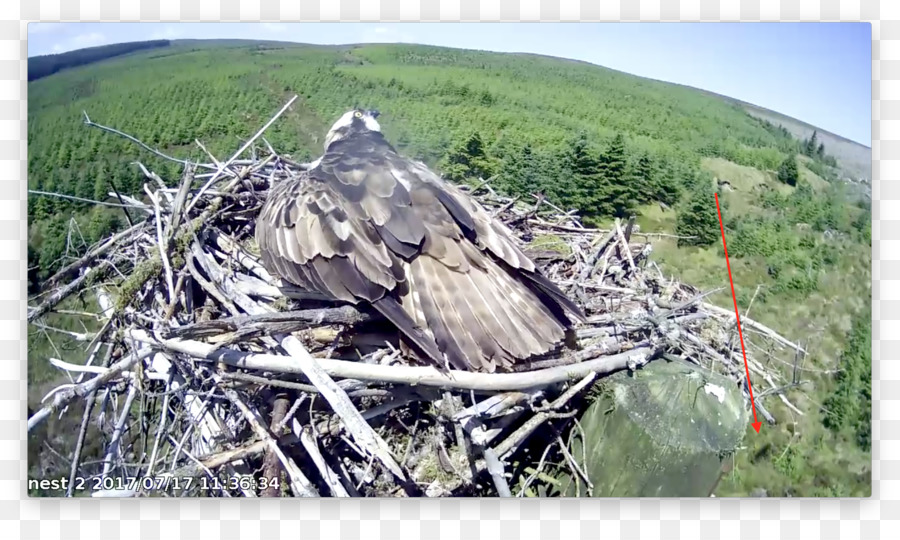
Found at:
<point>352,122</point>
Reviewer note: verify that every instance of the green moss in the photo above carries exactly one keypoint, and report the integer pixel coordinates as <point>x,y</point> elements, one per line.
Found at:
<point>281,303</point>
<point>551,242</point>
<point>143,272</point>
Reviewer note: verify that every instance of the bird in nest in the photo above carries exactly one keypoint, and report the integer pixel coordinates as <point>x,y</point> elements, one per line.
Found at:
<point>366,225</point>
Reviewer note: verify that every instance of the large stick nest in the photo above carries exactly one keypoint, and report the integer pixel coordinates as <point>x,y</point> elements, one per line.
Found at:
<point>242,380</point>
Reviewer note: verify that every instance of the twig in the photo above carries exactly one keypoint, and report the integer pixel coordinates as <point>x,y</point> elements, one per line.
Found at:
<point>495,468</point>
<point>88,122</point>
<point>90,201</point>
<point>312,448</point>
<point>64,397</point>
<point>300,485</point>
<point>222,167</point>
<point>424,376</point>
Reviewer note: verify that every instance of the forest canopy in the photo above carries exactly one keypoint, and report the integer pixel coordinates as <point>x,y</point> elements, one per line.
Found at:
<point>608,144</point>
<point>42,66</point>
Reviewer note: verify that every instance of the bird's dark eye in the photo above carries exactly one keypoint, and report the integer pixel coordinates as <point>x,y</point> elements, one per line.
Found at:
<point>357,114</point>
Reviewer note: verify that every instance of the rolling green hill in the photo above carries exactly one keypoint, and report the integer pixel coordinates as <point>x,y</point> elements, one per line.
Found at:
<point>605,142</point>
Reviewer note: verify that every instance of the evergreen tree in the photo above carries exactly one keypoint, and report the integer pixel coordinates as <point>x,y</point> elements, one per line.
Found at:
<point>53,245</point>
<point>811,145</point>
<point>467,160</point>
<point>788,171</point>
<point>698,217</point>
<point>820,151</point>
<point>653,183</point>
<point>583,185</point>
<point>619,195</point>
<point>850,403</point>
<point>520,172</point>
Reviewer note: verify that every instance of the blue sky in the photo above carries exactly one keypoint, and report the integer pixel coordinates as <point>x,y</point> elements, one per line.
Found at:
<point>817,72</point>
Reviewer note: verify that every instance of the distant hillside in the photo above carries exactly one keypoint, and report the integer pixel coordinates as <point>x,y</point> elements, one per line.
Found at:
<point>854,158</point>
<point>42,66</point>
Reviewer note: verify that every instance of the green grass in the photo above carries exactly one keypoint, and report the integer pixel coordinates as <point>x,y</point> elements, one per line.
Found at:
<point>798,456</point>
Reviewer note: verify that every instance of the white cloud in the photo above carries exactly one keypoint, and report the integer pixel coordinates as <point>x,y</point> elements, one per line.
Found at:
<point>169,31</point>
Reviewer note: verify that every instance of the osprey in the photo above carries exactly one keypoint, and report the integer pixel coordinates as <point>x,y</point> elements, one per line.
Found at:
<point>366,225</point>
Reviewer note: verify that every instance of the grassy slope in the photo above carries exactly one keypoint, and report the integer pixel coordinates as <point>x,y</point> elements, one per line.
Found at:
<point>430,97</point>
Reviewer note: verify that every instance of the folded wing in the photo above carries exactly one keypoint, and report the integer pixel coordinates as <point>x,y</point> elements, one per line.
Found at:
<point>367,225</point>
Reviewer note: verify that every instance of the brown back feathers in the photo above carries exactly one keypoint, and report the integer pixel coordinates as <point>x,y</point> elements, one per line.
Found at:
<point>367,225</point>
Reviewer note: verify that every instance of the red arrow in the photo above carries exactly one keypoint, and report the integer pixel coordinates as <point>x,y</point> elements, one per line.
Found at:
<point>756,423</point>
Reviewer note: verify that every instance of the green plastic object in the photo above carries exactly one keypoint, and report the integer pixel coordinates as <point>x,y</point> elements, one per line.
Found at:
<point>662,431</point>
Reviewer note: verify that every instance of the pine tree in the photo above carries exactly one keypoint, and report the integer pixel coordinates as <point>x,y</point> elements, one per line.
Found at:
<point>653,183</point>
<point>467,160</point>
<point>811,145</point>
<point>698,218</point>
<point>521,172</point>
<point>582,187</point>
<point>620,195</point>
<point>788,171</point>
<point>820,151</point>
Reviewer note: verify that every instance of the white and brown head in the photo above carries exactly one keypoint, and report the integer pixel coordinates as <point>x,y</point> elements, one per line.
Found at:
<point>352,122</point>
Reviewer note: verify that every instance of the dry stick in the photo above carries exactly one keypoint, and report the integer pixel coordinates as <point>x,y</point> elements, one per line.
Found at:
<point>365,392</point>
<point>82,199</point>
<point>506,206</point>
<point>312,448</point>
<point>218,459</point>
<point>628,229</point>
<point>235,251</point>
<point>512,442</point>
<point>755,325</point>
<point>77,336</point>
<point>121,199</point>
<point>354,423</point>
<point>596,257</point>
<point>300,485</point>
<point>412,375</point>
<point>61,294</point>
<point>627,250</point>
<point>64,397</point>
<point>113,446</point>
<point>222,168</point>
<point>271,468</point>
<point>160,185</point>
<point>304,319</point>
<point>163,417</point>
<point>88,122</point>
<point>163,245</point>
<point>177,215</point>
<point>179,285</point>
<point>82,431</point>
<point>495,468</point>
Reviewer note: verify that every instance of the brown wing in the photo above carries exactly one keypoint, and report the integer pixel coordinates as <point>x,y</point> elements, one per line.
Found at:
<point>312,235</point>
<point>369,225</point>
<point>472,287</point>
